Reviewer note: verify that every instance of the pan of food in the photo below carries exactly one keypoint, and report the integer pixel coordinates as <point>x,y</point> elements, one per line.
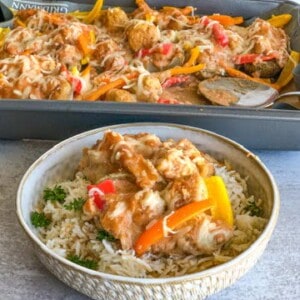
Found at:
<point>74,66</point>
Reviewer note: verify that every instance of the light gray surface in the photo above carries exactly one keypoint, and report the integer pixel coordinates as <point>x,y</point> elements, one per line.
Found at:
<point>22,276</point>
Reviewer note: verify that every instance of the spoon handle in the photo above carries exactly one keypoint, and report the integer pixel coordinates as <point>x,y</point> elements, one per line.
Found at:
<point>294,93</point>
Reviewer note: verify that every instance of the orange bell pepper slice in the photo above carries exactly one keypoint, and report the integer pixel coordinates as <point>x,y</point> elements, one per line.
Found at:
<point>227,20</point>
<point>103,89</point>
<point>155,233</point>
<point>238,74</point>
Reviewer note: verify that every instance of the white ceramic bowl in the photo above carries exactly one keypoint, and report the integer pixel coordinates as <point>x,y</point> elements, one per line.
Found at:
<point>60,162</point>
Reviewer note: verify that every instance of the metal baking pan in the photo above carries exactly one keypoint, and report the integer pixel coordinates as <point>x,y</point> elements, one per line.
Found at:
<point>254,128</point>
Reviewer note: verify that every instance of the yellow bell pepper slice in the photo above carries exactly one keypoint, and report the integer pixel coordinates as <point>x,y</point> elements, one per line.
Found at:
<point>186,70</point>
<point>280,21</point>
<point>3,34</point>
<point>286,74</point>
<point>80,15</point>
<point>217,193</point>
<point>194,55</point>
<point>94,13</point>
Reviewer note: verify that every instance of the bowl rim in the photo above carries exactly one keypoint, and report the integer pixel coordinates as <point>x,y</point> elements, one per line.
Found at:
<point>267,231</point>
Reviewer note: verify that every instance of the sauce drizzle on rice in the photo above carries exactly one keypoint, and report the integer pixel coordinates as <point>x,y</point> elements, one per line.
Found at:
<point>152,180</point>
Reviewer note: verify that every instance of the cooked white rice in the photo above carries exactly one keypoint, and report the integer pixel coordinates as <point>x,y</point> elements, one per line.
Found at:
<point>71,232</point>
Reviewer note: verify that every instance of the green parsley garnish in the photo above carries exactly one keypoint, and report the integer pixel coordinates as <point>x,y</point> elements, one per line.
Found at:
<point>76,204</point>
<point>88,263</point>
<point>39,220</point>
<point>104,235</point>
<point>56,194</point>
<point>253,209</point>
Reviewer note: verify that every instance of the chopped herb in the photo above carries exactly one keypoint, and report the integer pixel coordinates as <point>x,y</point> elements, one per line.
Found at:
<point>88,263</point>
<point>76,204</point>
<point>39,219</point>
<point>56,194</point>
<point>104,235</point>
<point>253,209</point>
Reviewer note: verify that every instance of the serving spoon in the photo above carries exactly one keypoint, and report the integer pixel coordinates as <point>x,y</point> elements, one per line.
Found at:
<point>240,92</point>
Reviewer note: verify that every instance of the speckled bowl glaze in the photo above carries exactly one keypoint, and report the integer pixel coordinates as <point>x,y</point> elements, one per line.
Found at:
<point>60,162</point>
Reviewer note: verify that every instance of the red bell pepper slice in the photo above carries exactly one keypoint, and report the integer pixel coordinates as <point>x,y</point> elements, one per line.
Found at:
<point>174,80</point>
<point>220,35</point>
<point>97,191</point>
<point>144,52</point>
<point>76,84</point>
<point>75,81</point>
<point>167,101</point>
<point>251,58</point>
<point>218,32</point>
<point>164,49</point>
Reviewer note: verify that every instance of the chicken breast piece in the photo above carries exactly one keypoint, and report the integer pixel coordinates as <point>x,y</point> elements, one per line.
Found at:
<point>126,215</point>
<point>114,19</point>
<point>182,191</point>
<point>142,34</point>
<point>200,236</point>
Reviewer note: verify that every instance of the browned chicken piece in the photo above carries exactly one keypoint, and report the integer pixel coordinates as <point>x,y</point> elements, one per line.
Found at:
<point>21,73</point>
<point>69,55</point>
<point>110,138</point>
<point>90,208</point>
<point>22,40</point>
<point>149,88</point>
<point>125,185</point>
<point>145,144</point>
<point>24,14</point>
<point>182,158</point>
<point>213,58</point>
<point>174,164</point>
<point>6,89</point>
<point>43,20</point>
<point>147,206</point>
<point>237,42</point>
<point>170,60</point>
<point>96,164</point>
<point>57,88</point>
<point>122,153</point>
<point>119,95</point>
<point>122,186</point>
<point>126,215</point>
<point>66,34</point>
<point>201,235</point>
<point>117,219</point>
<point>203,161</point>
<point>145,173</point>
<point>114,19</point>
<point>182,191</point>
<point>114,152</point>
<point>104,48</point>
<point>142,34</point>
<point>276,43</point>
